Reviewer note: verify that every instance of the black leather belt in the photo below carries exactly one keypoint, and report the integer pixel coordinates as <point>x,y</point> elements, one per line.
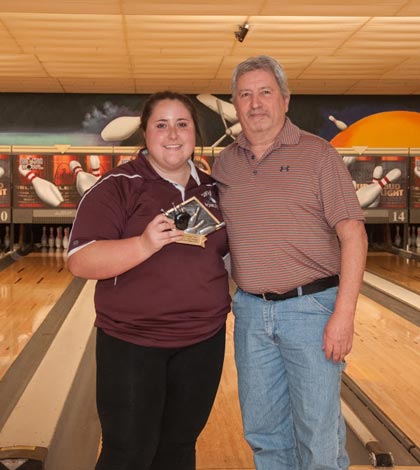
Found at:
<point>311,288</point>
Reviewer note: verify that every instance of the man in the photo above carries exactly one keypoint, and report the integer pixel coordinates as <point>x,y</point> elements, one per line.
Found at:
<point>298,246</point>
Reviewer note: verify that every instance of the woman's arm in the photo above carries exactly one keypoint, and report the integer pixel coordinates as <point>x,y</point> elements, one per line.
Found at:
<point>108,258</point>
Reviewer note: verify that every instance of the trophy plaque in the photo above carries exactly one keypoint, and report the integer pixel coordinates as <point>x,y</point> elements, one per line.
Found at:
<point>195,220</point>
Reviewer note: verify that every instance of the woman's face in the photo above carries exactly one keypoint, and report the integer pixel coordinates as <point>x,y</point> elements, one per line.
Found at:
<point>170,135</point>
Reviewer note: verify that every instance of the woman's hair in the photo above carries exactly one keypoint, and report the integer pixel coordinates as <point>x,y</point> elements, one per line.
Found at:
<point>156,98</point>
<point>261,62</point>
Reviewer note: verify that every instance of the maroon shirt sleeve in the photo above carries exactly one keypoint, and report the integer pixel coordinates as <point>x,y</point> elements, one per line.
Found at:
<point>101,213</point>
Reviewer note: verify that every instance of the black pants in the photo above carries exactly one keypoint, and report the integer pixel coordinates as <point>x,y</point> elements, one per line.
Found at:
<point>154,402</point>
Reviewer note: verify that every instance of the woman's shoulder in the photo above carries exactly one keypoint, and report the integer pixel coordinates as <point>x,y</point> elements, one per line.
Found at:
<point>127,172</point>
<point>205,177</point>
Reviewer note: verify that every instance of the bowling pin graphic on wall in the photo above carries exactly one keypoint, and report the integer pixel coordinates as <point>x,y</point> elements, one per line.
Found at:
<point>341,126</point>
<point>381,181</point>
<point>84,180</point>
<point>95,165</point>
<point>34,188</point>
<point>378,172</point>
<point>65,179</point>
<point>368,194</point>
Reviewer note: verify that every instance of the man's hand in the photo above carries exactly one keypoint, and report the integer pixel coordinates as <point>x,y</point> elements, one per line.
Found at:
<point>338,337</point>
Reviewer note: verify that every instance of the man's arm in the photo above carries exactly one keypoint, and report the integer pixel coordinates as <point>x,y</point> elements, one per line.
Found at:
<point>338,334</point>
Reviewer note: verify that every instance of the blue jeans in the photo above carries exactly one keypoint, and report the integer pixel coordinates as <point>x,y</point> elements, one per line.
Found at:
<point>289,392</point>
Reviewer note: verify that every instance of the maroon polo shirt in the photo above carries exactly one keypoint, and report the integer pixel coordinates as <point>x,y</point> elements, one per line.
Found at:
<point>177,297</point>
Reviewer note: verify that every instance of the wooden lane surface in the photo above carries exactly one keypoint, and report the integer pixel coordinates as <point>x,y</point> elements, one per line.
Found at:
<point>369,467</point>
<point>402,271</point>
<point>385,364</point>
<point>221,445</point>
<point>29,288</point>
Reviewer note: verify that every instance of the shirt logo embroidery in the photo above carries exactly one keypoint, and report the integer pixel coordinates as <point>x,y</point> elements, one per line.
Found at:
<point>209,200</point>
<point>284,168</point>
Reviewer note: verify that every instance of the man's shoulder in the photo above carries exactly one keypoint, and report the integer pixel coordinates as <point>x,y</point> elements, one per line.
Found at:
<point>225,161</point>
<point>231,149</point>
<point>315,142</point>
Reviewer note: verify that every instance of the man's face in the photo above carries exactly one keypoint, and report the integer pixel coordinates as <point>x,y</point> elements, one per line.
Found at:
<point>260,106</point>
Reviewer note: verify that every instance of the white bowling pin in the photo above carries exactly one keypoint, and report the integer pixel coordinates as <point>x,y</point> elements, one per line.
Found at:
<point>339,124</point>
<point>378,172</point>
<point>51,241</point>
<point>45,190</point>
<point>1,171</point>
<point>66,238</point>
<point>397,240</point>
<point>413,236</point>
<point>417,168</point>
<point>59,238</point>
<point>409,241</point>
<point>44,241</point>
<point>369,193</point>
<point>95,165</point>
<point>418,238</point>
<point>7,239</point>
<point>84,180</point>
<point>120,128</point>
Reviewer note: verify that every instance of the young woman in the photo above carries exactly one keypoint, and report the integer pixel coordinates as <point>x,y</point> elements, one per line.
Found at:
<point>161,305</point>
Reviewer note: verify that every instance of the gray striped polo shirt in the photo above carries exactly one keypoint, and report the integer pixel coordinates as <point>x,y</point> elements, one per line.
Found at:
<point>281,210</point>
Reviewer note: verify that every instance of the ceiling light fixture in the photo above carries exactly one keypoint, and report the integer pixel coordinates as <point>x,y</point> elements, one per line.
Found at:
<point>243,31</point>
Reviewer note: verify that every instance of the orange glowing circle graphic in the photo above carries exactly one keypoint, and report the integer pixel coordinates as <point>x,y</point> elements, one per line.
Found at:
<point>387,129</point>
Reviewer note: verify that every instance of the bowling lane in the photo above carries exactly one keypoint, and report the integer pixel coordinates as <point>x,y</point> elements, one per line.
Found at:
<point>397,269</point>
<point>384,363</point>
<point>29,288</point>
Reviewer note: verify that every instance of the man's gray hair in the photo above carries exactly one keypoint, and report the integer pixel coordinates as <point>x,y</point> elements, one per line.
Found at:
<point>263,62</point>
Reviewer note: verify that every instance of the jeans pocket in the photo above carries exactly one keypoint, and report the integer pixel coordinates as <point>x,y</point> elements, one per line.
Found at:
<point>325,300</point>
